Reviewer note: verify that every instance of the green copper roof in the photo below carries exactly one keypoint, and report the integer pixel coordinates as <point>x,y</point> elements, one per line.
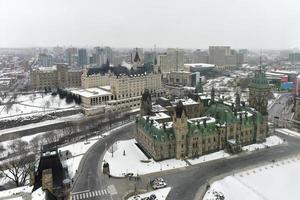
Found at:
<point>157,133</point>
<point>222,113</point>
<point>259,80</point>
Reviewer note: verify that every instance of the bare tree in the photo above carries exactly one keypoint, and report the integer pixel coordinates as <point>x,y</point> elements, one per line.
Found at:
<point>37,143</point>
<point>17,169</point>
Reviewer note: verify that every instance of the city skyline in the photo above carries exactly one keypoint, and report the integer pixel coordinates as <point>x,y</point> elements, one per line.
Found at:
<point>193,24</point>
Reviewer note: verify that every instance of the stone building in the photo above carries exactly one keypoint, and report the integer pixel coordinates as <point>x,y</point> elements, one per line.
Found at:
<point>116,88</point>
<point>190,130</point>
<point>52,177</point>
<point>58,76</point>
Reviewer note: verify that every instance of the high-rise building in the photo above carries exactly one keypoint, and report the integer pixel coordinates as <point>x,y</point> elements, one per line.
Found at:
<point>200,56</point>
<point>223,56</point>
<point>45,60</point>
<point>101,55</point>
<point>82,57</point>
<point>172,60</point>
<point>149,57</point>
<point>71,56</point>
<point>294,58</point>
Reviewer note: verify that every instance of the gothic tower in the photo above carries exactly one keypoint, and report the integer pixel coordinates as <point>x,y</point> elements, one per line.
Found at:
<point>181,129</point>
<point>259,90</point>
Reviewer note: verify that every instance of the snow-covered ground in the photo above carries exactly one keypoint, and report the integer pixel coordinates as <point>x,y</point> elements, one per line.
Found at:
<point>21,193</point>
<point>15,192</point>
<point>160,194</point>
<point>125,157</point>
<point>270,141</point>
<point>39,124</point>
<point>77,150</point>
<point>276,181</point>
<point>136,162</point>
<point>34,104</point>
<point>288,132</point>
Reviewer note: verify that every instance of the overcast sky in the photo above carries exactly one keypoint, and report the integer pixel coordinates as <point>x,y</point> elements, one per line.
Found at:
<point>267,24</point>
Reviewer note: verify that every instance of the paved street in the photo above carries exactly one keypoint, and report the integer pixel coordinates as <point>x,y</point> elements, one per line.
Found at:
<point>90,179</point>
<point>281,109</point>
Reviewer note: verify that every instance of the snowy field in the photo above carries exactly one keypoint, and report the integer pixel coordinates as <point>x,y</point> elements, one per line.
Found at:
<point>277,181</point>
<point>270,141</point>
<point>34,104</point>
<point>136,162</point>
<point>125,157</point>
<point>160,194</point>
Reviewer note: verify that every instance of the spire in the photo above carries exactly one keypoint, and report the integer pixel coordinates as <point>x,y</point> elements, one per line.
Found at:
<point>137,57</point>
<point>237,101</point>
<point>260,61</point>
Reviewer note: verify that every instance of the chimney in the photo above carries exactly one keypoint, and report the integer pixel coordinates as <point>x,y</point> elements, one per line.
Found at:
<point>204,122</point>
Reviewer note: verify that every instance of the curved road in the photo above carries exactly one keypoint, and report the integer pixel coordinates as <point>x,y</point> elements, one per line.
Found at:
<point>89,184</point>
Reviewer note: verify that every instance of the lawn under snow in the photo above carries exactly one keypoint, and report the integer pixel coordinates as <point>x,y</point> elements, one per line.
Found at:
<point>160,194</point>
<point>34,104</point>
<point>136,162</point>
<point>270,141</point>
<point>276,181</point>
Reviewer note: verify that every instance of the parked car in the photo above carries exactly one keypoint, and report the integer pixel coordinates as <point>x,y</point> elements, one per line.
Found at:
<point>158,185</point>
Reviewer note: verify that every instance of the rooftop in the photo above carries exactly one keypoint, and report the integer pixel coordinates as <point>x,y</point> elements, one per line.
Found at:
<point>92,92</point>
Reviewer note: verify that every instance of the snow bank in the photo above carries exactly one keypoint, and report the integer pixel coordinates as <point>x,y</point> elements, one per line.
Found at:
<point>288,132</point>
<point>160,194</point>
<point>276,181</point>
<point>209,157</point>
<point>270,141</point>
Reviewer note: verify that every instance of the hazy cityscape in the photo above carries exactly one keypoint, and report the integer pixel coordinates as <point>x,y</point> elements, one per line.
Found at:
<point>149,100</point>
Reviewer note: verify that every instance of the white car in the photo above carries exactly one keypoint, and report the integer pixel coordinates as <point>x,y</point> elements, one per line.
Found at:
<point>158,185</point>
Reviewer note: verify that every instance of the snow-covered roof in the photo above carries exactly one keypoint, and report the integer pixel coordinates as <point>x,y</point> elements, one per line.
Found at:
<point>158,116</point>
<point>187,101</point>
<point>199,65</point>
<point>92,92</point>
<point>201,119</point>
<point>158,108</point>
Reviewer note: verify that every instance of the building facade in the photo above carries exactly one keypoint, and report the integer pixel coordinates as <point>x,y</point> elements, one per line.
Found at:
<point>82,57</point>
<point>45,60</point>
<point>224,57</point>
<point>59,76</point>
<point>172,60</point>
<point>190,129</point>
<point>126,89</point>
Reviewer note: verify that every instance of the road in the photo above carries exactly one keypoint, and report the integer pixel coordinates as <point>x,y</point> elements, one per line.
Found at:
<point>91,184</point>
<point>280,111</point>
